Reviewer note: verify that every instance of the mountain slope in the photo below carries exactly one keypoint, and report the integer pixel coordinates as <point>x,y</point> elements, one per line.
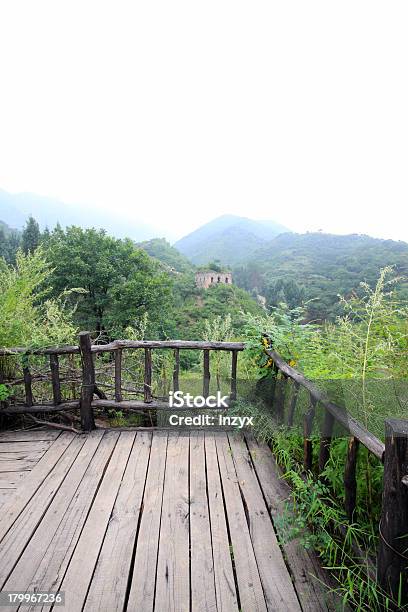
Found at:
<point>323,265</point>
<point>229,239</point>
<point>160,249</point>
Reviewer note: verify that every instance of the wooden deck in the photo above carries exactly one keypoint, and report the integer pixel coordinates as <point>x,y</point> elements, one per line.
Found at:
<point>148,521</point>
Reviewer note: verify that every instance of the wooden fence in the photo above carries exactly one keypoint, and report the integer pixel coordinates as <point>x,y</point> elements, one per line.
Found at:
<point>89,388</point>
<point>392,558</point>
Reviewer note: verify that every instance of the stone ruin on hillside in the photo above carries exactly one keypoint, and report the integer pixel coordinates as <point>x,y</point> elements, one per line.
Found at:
<point>205,279</point>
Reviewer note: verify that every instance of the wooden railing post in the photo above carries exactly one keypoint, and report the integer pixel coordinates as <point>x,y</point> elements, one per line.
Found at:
<point>279,407</point>
<point>176,370</point>
<point>206,373</point>
<point>88,382</point>
<point>325,441</point>
<point>148,376</point>
<point>307,433</point>
<point>392,562</point>
<point>350,480</point>
<point>55,379</point>
<point>118,375</point>
<point>292,406</point>
<point>29,400</point>
<point>234,361</point>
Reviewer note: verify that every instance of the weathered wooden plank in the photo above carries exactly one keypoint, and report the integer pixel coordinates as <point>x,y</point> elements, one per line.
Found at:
<point>52,567</point>
<point>141,595</point>
<point>17,456</point>
<point>223,572</point>
<point>19,465</point>
<point>11,480</point>
<point>116,554</point>
<point>16,538</point>
<point>37,546</point>
<point>203,598</point>
<point>276,582</point>
<point>249,582</point>
<point>173,581</point>
<point>33,481</point>
<point>308,577</point>
<point>28,435</point>
<point>28,447</point>
<point>79,573</point>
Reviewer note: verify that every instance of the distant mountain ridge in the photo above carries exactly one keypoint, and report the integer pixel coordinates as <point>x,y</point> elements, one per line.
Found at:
<point>229,239</point>
<point>16,208</point>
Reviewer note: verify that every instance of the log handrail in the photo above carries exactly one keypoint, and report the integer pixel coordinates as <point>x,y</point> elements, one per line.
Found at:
<point>392,557</point>
<point>127,344</point>
<point>367,439</point>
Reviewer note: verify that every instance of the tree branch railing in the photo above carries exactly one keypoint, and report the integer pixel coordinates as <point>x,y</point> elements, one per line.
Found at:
<point>392,557</point>
<point>89,387</point>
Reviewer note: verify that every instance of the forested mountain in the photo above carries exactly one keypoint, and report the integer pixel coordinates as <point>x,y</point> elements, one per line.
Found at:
<point>229,239</point>
<point>299,267</point>
<point>162,250</point>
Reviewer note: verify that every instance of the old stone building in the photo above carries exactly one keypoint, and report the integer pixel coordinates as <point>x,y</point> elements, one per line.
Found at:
<point>205,279</point>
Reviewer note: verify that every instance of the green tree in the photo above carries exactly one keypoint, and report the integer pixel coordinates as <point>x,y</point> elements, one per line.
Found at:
<point>121,282</point>
<point>28,317</point>
<point>31,237</point>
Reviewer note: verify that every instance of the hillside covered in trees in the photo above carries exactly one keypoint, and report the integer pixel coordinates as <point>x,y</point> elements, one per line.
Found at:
<point>317,268</point>
<point>111,287</point>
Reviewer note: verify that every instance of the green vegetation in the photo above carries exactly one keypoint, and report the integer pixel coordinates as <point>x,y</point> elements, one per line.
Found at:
<point>316,268</point>
<point>119,283</point>
<point>361,363</point>
<point>112,287</point>
<point>29,316</point>
<point>160,249</point>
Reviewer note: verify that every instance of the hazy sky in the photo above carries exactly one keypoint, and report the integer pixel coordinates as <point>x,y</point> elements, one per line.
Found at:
<point>175,112</point>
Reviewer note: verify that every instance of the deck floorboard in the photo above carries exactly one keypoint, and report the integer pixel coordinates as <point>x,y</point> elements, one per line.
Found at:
<point>152,521</point>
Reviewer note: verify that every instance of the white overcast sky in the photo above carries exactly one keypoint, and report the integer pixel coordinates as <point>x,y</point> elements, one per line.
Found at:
<point>175,112</point>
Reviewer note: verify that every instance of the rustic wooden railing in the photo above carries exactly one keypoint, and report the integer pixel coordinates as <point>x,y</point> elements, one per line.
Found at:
<point>392,558</point>
<point>86,403</point>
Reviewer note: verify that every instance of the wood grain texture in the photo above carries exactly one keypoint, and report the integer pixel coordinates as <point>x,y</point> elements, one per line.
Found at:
<point>276,582</point>
<point>81,567</point>
<point>173,580</point>
<point>225,589</point>
<point>203,597</point>
<point>307,574</point>
<point>142,589</point>
<point>117,549</point>
<point>249,582</point>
